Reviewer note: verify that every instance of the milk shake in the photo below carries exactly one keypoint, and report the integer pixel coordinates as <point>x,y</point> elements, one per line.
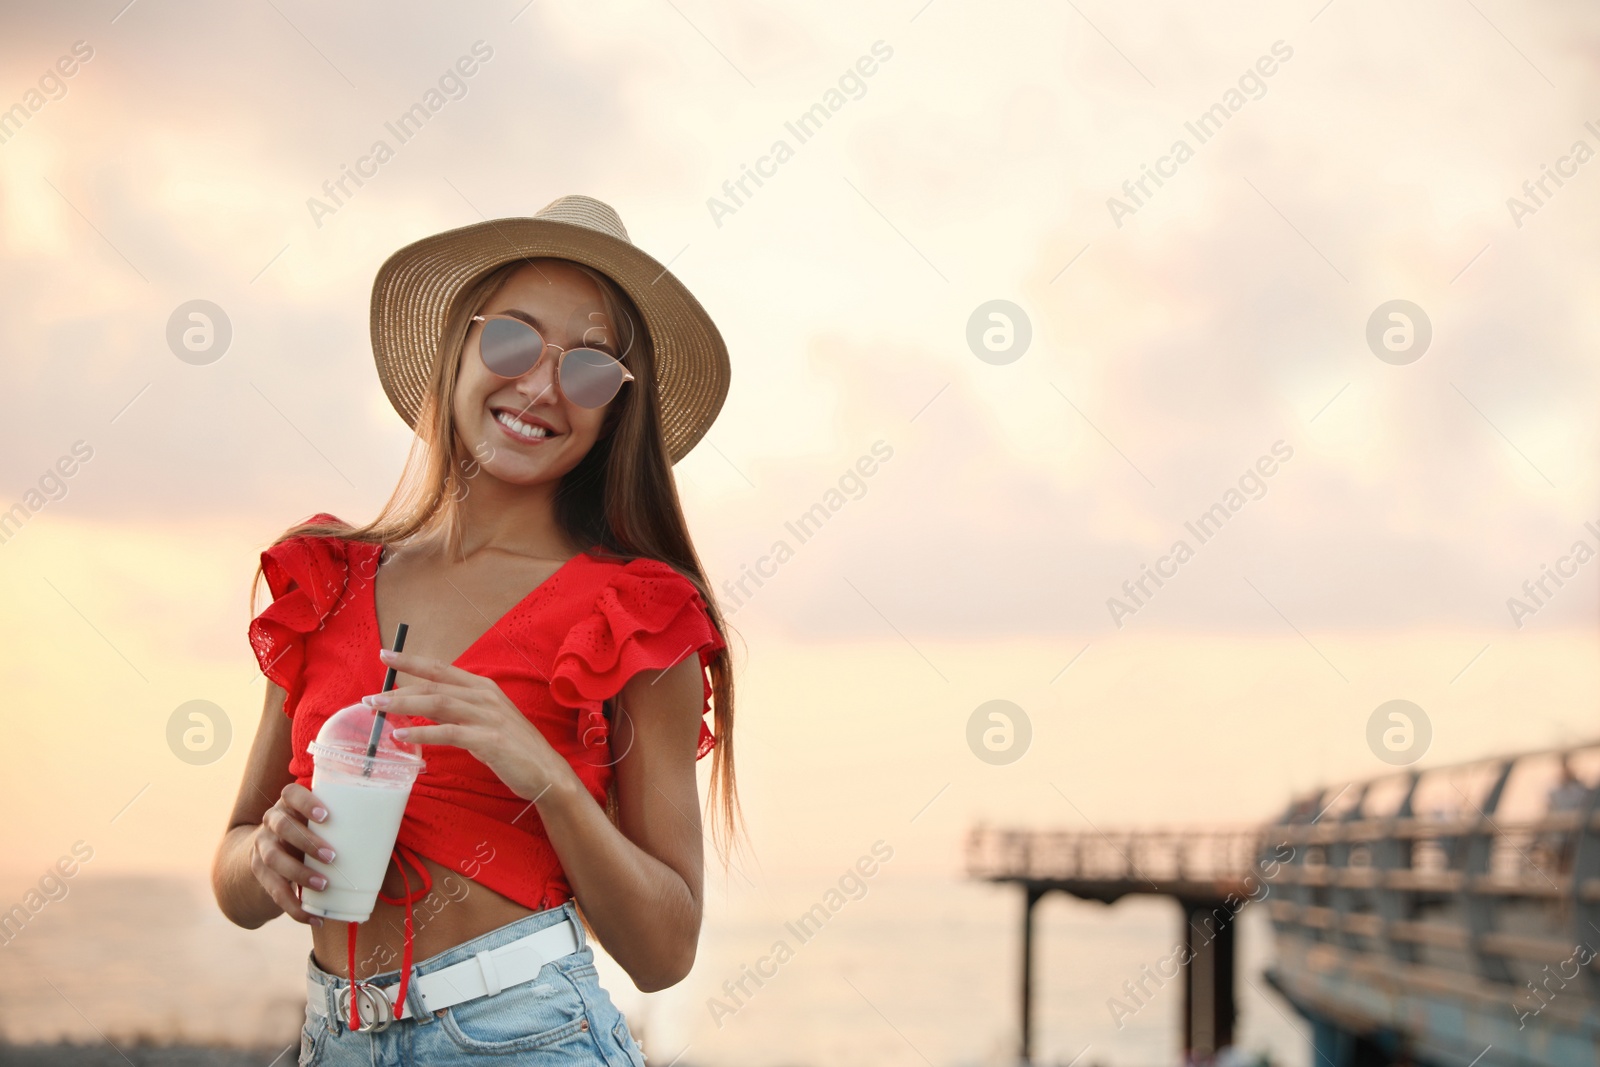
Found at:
<point>366,799</point>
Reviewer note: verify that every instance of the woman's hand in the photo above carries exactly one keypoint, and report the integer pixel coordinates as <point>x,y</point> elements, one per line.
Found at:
<point>472,712</point>
<point>279,844</point>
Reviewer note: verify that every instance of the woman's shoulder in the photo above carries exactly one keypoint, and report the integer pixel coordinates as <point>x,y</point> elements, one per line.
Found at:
<point>323,526</point>
<point>309,570</point>
<point>323,534</point>
<point>634,614</point>
<point>316,554</point>
<point>618,598</point>
<point>608,570</point>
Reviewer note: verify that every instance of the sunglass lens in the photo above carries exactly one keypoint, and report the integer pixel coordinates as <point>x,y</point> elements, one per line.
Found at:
<point>510,348</point>
<point>589,377</point>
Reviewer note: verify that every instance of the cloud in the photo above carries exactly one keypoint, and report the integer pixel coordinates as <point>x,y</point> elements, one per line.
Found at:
<point>1225,316</point>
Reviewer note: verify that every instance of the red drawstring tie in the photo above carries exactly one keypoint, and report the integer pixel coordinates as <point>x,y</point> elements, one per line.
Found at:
<point>401,856</point>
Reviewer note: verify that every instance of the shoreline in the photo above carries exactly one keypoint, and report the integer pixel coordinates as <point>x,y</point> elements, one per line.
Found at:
<point>104,1054</point>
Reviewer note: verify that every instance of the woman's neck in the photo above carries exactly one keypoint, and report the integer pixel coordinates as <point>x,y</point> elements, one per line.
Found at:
<point>519,519</point>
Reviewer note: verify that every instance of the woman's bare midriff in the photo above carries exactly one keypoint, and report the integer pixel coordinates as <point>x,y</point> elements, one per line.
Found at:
<point>457,909</point>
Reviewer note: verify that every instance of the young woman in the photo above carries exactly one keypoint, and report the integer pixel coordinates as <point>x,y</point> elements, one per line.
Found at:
<point>563,649</point>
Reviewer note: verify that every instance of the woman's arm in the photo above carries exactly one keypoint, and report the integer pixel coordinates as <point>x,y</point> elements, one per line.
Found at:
<point>641,889</point>
<point>267,835</point>
<point>638,884</point>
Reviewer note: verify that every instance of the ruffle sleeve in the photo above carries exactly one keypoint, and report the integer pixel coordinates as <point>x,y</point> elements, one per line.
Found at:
<point>307,576</point>
<point>647,617</point>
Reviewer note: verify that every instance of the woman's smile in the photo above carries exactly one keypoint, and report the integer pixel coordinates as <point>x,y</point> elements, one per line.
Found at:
<point>523,428</point>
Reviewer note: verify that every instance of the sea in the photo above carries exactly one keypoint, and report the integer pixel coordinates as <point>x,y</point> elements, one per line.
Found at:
<point>915,970</point>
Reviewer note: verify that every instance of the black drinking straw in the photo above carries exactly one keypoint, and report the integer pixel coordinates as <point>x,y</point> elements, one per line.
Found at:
<point>388,684</point>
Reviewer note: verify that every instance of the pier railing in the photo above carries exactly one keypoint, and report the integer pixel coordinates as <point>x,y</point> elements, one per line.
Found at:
<point>1149,858</point>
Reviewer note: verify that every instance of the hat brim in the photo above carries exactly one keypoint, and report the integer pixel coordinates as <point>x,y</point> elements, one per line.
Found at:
<point>416,285</point>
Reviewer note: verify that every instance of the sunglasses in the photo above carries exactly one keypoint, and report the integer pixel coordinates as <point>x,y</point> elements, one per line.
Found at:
<point>511,348</point>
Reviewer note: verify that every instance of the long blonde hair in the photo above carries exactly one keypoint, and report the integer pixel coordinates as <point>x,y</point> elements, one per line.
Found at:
<point>620,499</point>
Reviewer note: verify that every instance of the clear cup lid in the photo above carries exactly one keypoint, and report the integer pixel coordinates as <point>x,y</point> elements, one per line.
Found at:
<point>344,739</point>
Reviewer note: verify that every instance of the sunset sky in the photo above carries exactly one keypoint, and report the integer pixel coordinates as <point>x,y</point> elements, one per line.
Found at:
<point>1171,349</point>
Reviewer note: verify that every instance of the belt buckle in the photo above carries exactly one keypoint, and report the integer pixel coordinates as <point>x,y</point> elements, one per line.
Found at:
<point>374,1018</point>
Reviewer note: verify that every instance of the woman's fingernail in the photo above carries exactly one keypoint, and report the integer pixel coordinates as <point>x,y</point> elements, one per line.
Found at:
<point>326,854</point>
<point>378,700</point>
<point>402,733</point>
<point>319,813</point>
<point>316,920</point>
<point>318,882</point>
<point>387,654</point>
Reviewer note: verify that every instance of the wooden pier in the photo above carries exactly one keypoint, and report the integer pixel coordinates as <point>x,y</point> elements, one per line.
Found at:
<point>1211,873</point>
<point>1430,916</point>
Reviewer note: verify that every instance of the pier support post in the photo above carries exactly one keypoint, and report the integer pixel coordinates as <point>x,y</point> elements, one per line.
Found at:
<point>1209,1009</point>
<point>1031,898</point>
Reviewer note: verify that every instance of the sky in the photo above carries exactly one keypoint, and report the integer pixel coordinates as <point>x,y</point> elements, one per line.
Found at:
<point>1179,335</point>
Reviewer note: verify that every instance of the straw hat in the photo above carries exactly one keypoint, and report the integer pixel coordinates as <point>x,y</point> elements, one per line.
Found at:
<point>415,286</point>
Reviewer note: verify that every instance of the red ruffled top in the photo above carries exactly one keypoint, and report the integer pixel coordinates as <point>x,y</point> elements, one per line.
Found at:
<point>558,655</point>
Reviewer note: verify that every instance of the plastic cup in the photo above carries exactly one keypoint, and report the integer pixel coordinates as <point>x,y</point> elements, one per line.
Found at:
<point>366,799</point>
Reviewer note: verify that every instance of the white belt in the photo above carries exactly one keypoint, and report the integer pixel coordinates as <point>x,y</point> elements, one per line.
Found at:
<point>484,975</point>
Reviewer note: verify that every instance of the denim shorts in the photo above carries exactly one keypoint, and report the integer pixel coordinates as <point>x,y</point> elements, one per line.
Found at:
<point>561,1017</point>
